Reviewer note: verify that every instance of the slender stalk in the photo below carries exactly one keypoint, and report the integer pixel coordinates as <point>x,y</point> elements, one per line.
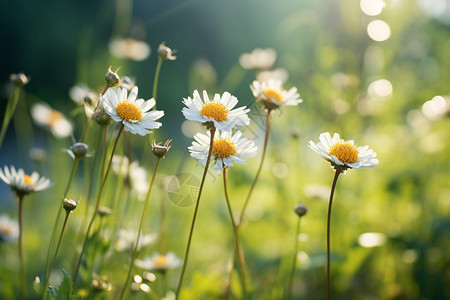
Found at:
<point>136,246</point>
<point>22,281</point>
<point>9,111</point>
<point>186,255</point>
<point>266,138</point>
<point>155,81</point>
<point>336,175</point>
<point>89,122</point>
<point>97,204</point>
<point>56,253</point>
<point>237,247</point>
<point>288,291</point>
<point>58,216</point>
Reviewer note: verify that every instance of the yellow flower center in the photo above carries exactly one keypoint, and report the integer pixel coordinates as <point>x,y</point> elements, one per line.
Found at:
<point>129,111</point>
<point>346,152</point>
<point>215,110</point>
<point>27,180</point>
<point>272,94</point>
<point>55,116</point>
<point>160,261</point>
<point>223,148</point>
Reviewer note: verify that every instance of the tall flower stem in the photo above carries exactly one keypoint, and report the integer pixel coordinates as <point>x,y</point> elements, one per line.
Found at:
<point>333,187</point>
<point>97,204</point>
<point>58,216</point>
<point>136,246</point>
<point>266,138</point>
<point>156,79</point>
<point>56,253</point>
<point>9,111</point>
<point>22,265</point>
<point>288,291</point>
<point>186,255</point>
<point>237,247</point>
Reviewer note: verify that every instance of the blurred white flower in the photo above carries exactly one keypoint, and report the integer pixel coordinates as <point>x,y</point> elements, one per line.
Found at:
<point>127,240</point>
<point>22,183</point>
<point>277,74</point>
<point>272,94</point>
<point>129,49</point>
<point>317,191</point>
<point>137,177</point>
<point>52,120</point>
<point>371,239</point>
<point>159,262</point>
<point>79,92</point>
<point>9,229</point>
<point>258,59</point>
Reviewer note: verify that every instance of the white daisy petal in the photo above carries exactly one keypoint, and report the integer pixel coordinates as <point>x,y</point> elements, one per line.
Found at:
<point>22,183</point>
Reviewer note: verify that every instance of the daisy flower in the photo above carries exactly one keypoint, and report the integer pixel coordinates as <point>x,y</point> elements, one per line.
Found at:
<point>133,172</point>
<point>127,240</point>
<point>133,113</point>
<point>226,150</point>
<point>342,154</point>
<point>129,49</point>
<point>218,112</point>
<point>51,119</point>
<point>272,94</point>
<point>9,229</point>
<point>21,183</point>
<point>159,262</point>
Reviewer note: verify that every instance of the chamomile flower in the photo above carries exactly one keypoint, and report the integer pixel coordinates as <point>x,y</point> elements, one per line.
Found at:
<point>261,59</point>
<point>342,154</point>
<point>21,183</point>
<point>218,112</point>
<point>272,94</point>
<point>159,262</point>
<point>9,229</point>
<point>133,113</point>
<point>127,240</point>
<point>51,119</point>
<point>227,148</point>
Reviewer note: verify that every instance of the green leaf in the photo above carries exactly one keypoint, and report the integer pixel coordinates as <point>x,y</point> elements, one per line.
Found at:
<point>66,287</point>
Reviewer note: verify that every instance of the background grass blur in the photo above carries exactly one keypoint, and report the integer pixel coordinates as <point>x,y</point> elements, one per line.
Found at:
<point>325,48</point>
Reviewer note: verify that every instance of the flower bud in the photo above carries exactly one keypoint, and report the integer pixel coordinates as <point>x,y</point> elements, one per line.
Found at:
<point>79,150</point>
<point>19,79</point>
<point>165,53</point>
<point>112,79</point>
<point>159,150</point>
<point>69,205</point>
<point>104,211</point>
<point>300,209</point>
<point>101,117</point>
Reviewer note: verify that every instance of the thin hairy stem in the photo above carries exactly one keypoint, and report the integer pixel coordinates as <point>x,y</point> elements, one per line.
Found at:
<point>22,281</point>
<point>56,253</point>
<point>58,215</point>
<point>97,204</point>
<point>288,291</point>
<point>136,246</point>
<point>266,138</point>
<point>156,79</point>
<point>237,247</point>
<point>186,255</point>
<point>333,187</point>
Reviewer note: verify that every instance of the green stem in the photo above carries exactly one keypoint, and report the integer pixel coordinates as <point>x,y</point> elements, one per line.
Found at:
<point>186,255</point>
<point>156,79</point>
<point>58,216</point>
<point>97,204</point>
<point>237,247</point>
<point>266,138</point>
<point>136,246</point>
<point>333,187</point>
<point>9,111</point>
<point>54,256</point>
<point>22,265</point>
<point>288,291</point>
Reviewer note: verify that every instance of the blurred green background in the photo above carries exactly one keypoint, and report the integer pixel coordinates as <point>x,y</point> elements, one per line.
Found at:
<point>371,86</point>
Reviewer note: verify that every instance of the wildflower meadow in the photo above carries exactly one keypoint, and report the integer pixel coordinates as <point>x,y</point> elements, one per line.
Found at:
<point>199,149</point>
